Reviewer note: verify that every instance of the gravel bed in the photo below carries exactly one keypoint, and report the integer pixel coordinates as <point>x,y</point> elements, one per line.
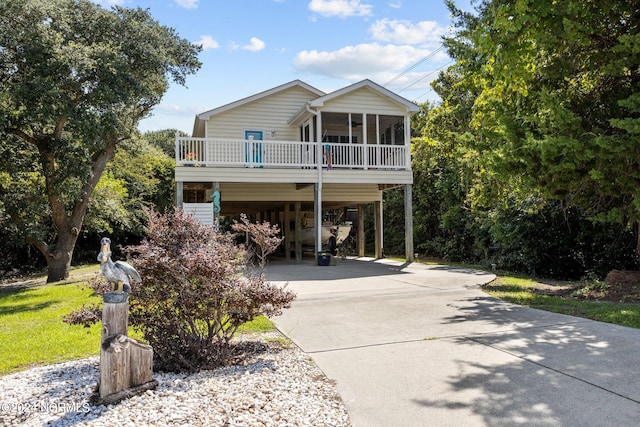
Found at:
<point>279,387</point>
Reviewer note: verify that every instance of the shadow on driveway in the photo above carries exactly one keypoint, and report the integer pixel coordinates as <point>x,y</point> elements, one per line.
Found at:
<point>416,345</point>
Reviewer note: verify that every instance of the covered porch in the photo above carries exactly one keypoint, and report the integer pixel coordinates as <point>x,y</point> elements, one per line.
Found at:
<point>252,153</point>
<point>310,140</point>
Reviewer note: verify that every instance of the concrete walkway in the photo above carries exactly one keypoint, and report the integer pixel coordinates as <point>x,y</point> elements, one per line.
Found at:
<point>416,345</point>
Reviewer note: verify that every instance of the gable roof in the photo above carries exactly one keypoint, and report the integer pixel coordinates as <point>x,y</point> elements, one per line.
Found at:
<point>303,113</point>
<point>207,114</point>
<point>410,106</point>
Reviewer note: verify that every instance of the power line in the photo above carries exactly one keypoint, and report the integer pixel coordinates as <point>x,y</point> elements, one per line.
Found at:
<point>427,75</point>
<point>430,55</point>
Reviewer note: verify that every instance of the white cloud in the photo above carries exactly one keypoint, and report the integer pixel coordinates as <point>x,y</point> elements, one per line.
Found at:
<point>374,61</point>
<point>395,5</point>
<point>405,32</point>
<point>174,108</point>
<point>187,4</point>
<point>207,43</point>
<point>255,45</point>
<point>340,8</point>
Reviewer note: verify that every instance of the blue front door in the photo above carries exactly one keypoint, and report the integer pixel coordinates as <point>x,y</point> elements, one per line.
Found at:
<point>253,148</point>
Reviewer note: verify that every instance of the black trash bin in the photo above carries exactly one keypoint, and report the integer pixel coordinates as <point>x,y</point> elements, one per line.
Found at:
<point>324,259</point>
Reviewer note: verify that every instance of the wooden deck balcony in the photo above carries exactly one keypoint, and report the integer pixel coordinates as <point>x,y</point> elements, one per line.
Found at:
<point>239,153</point>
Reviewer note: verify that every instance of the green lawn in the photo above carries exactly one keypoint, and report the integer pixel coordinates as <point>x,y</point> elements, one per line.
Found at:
<point>32,331</point>
<point>530,292</point>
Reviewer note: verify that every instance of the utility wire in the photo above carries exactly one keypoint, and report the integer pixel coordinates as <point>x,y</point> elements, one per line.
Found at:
<point>430,55</point>
<point>427,75</point>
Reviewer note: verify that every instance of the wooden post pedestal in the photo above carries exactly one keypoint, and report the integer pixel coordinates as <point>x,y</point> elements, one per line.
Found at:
<point>126,366</point>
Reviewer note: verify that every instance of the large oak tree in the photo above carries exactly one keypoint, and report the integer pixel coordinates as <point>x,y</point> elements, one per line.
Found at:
<point>75,80</point>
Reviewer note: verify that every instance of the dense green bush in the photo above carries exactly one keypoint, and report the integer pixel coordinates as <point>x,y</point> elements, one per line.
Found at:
<point>558,242</point>
<point>534,236</point>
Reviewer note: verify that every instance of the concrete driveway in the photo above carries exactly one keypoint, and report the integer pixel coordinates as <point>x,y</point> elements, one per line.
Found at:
<point>416,345</point>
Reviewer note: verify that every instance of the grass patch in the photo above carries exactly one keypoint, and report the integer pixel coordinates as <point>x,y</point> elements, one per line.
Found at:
<point>532,293</point>
<point>32,332</point>
<point>258,325</point>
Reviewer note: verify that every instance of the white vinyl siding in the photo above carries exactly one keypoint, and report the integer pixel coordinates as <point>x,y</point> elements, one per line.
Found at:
<point>203,212</point>
<point>257,175</point>
<point>268,114</point>
<point>363,100</point>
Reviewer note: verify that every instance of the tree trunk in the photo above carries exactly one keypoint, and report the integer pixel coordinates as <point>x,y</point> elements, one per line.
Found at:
<point>638,241</point>
<point>58,269</point>
<point>59,257</point>
<point>68,223</point>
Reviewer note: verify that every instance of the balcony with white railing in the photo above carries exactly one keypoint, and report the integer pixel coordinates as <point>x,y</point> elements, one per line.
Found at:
<point>289,154</point>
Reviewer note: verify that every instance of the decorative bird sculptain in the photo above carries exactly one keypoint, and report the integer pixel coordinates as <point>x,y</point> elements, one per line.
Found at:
<point>118,273</point>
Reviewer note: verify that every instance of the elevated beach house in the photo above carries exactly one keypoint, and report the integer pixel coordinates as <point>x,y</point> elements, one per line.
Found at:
<point>293,154</point>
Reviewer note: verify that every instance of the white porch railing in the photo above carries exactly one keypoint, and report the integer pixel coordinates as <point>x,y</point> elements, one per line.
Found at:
<point>288,154</point>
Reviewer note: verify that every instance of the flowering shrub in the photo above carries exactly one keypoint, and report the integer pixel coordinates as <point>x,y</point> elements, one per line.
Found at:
<point>191,156</point>
<point>197,288</point>
<point>263,236</point>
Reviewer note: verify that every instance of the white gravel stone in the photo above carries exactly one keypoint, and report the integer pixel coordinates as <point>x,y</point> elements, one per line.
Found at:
<point>280,387</point>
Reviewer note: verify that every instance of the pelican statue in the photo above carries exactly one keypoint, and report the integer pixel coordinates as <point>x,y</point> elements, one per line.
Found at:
<point>119,273</point>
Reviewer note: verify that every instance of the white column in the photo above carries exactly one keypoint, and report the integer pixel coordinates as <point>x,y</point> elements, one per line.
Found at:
<point>408,223</point>
<point>318,187</point>
<point>179,191</point>
<point>177,135</point>
<point>286,231</point>
<point>365,154</point>
<point>377,160</point>
<point>407,142</point>
<point>377,219</point>
<point>381,224</point>
<point>298,232</point>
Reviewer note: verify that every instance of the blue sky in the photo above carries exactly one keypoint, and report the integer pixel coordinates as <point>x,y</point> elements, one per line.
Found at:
<point>253,45</point>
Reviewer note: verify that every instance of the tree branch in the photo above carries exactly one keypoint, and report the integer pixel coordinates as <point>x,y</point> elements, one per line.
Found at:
<point>23,135</point>
<point>99,163</point>
<point>57,132</point>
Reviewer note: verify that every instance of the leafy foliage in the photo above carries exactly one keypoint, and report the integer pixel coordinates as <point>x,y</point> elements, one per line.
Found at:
<point>147,173</point>
<point>108,206</point>
<point>164,140</point>
<point>531,161</point>
<point>76,80</point>
<point>544,238</point>
<point>554,89</point>
<point>198,288</point>
<point>264,237</point>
